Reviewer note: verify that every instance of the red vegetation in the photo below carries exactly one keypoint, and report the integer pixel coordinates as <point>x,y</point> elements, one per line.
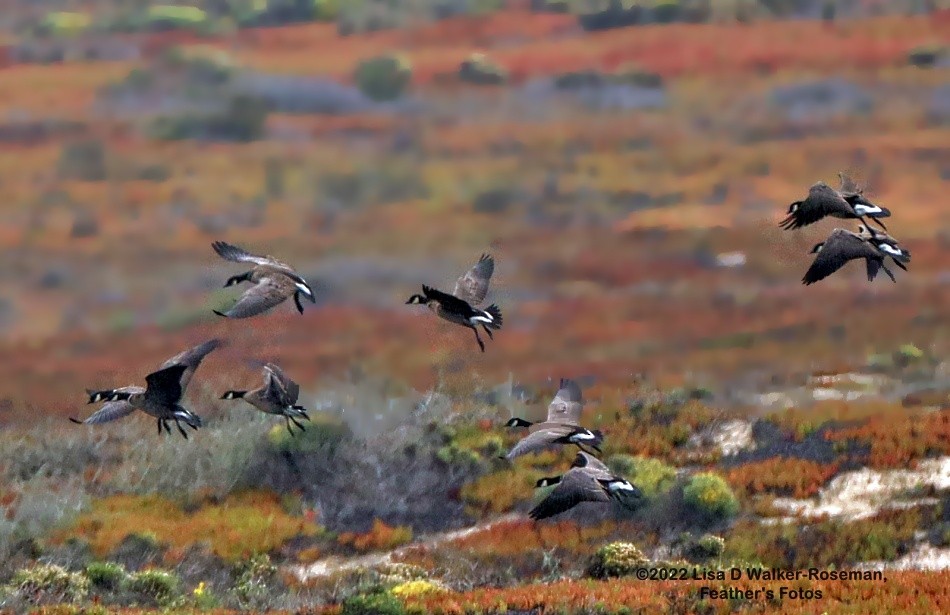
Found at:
<point>784,476</point>
<point>897,442</point>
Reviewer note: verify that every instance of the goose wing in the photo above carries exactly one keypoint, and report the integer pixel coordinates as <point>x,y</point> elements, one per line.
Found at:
<point>267,293</point>
<point>841,246</point>
<point>822,200</point>
<point>164,386</point>
<point>537,440</point>
<point>594,465</point>
<point>191,359</point>
<point>848,185</point>
<point>567,404</point>
<point>472,286</point>
<point>577,485</point>
<point>110,411</point>
<point>279,384</point>
<point>236,254</point>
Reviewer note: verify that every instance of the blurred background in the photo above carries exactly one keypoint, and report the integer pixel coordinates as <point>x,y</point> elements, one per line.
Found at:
<point>626,163</point>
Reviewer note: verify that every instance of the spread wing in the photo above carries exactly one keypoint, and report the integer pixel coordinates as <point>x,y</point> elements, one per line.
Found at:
<point>848,185</point>
<point>567,404</point>
<point>240,255</point>
<point>110,411</point>
<point>472,286</point>
<point>280,385</point>
<point>264,295</point>
<point>577,485</point>
<point>164,386</point>
<point>842,246</point>
<point>594,465</point>
<point>191,359</point>
<point>536,441</point>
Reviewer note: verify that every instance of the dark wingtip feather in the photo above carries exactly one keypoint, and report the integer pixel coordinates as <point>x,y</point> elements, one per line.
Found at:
<point>77,421</point>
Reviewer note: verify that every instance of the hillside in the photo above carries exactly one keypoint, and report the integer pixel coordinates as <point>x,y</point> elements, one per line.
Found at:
<point>629,183</point>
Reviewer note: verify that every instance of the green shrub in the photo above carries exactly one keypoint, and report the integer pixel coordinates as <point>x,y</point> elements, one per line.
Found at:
<point>384,77</point>
<point>666,11</point>
<point>709,497</point>
<point>616,559</point>
<point>48,584</point>
<point>158,586</point>
<point>926,56</point>
<point>382,603</point>
<point>169,17</point>
<point>254,583</point>
<point>63,23</point>
<point>83,160</point>
<point>705,547</point>
<point>323,433</point>
<point>106,575</point>
<point>481,70</point>
<point>244,119</point>
<point>908,354</point>
<point>651,476</point>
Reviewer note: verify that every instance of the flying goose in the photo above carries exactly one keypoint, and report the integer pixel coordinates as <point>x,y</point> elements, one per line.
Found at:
<point>190,358</point>
<point>565,408</point>
<point>160,398</point>
<point>461,307</point>
<point>823,200</point>
<point>274,282</point>
<point>118,405</point>
<point>843,246</point>
<point>588,480</point>
<point>278,395</point>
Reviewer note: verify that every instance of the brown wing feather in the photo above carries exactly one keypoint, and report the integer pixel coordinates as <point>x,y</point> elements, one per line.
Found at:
<point>110,411</point>
<point>264,295</point>
<point>567,404</point>
<point>577,485</point>
<point>472,286</point>
<point>281,384</point>
<point>536,441</point>
<point>191,359</point>
<point>842,246</point>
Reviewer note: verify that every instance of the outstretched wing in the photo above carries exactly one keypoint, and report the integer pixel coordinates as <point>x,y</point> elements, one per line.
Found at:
<point>240,255</point>
<point>164,386</point>
<point>841,247</point>
<point>264,295</point>
<point>567,404</point>
<point>280,384</point>
<point>848,185</point>
<point>110,411</point>
<point>472,286</point>
<point>191,359</point>
<point>576,486</point>
<point>536,441</point>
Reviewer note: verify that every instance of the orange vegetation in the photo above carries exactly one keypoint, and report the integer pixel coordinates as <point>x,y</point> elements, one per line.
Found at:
<point>798,478</point>
<point>238,527</point>
<point>380,537</point>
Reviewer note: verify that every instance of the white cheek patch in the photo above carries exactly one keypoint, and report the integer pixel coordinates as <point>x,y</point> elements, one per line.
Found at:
<point>886,247</point>
<point>863,210</point>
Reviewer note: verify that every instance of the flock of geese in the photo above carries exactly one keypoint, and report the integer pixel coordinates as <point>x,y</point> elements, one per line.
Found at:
<point>588,479</point>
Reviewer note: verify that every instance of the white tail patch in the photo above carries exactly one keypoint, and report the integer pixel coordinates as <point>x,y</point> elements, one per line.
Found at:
<point>886,247</point>
<point>620,486</point>
<point>304,289</point>
<point>482,317</point>
<point>584,435</point>
<point>863,210</point>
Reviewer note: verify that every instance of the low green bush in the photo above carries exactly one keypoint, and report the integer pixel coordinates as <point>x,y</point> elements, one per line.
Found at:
<point>710,498</point>
<point>383,77</point>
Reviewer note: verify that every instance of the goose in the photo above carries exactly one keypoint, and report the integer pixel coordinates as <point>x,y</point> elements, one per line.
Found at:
<point>549,434</point>
<point>190,358</point>
<point>160,398</point>
<point>565,408</point>
<point>278,395</point>
<point>588,480</point>
<point>119,405</point>
<point>461,307</point>
<point>823,200</point>
<point>274,282</point>
<point>844,245</point>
